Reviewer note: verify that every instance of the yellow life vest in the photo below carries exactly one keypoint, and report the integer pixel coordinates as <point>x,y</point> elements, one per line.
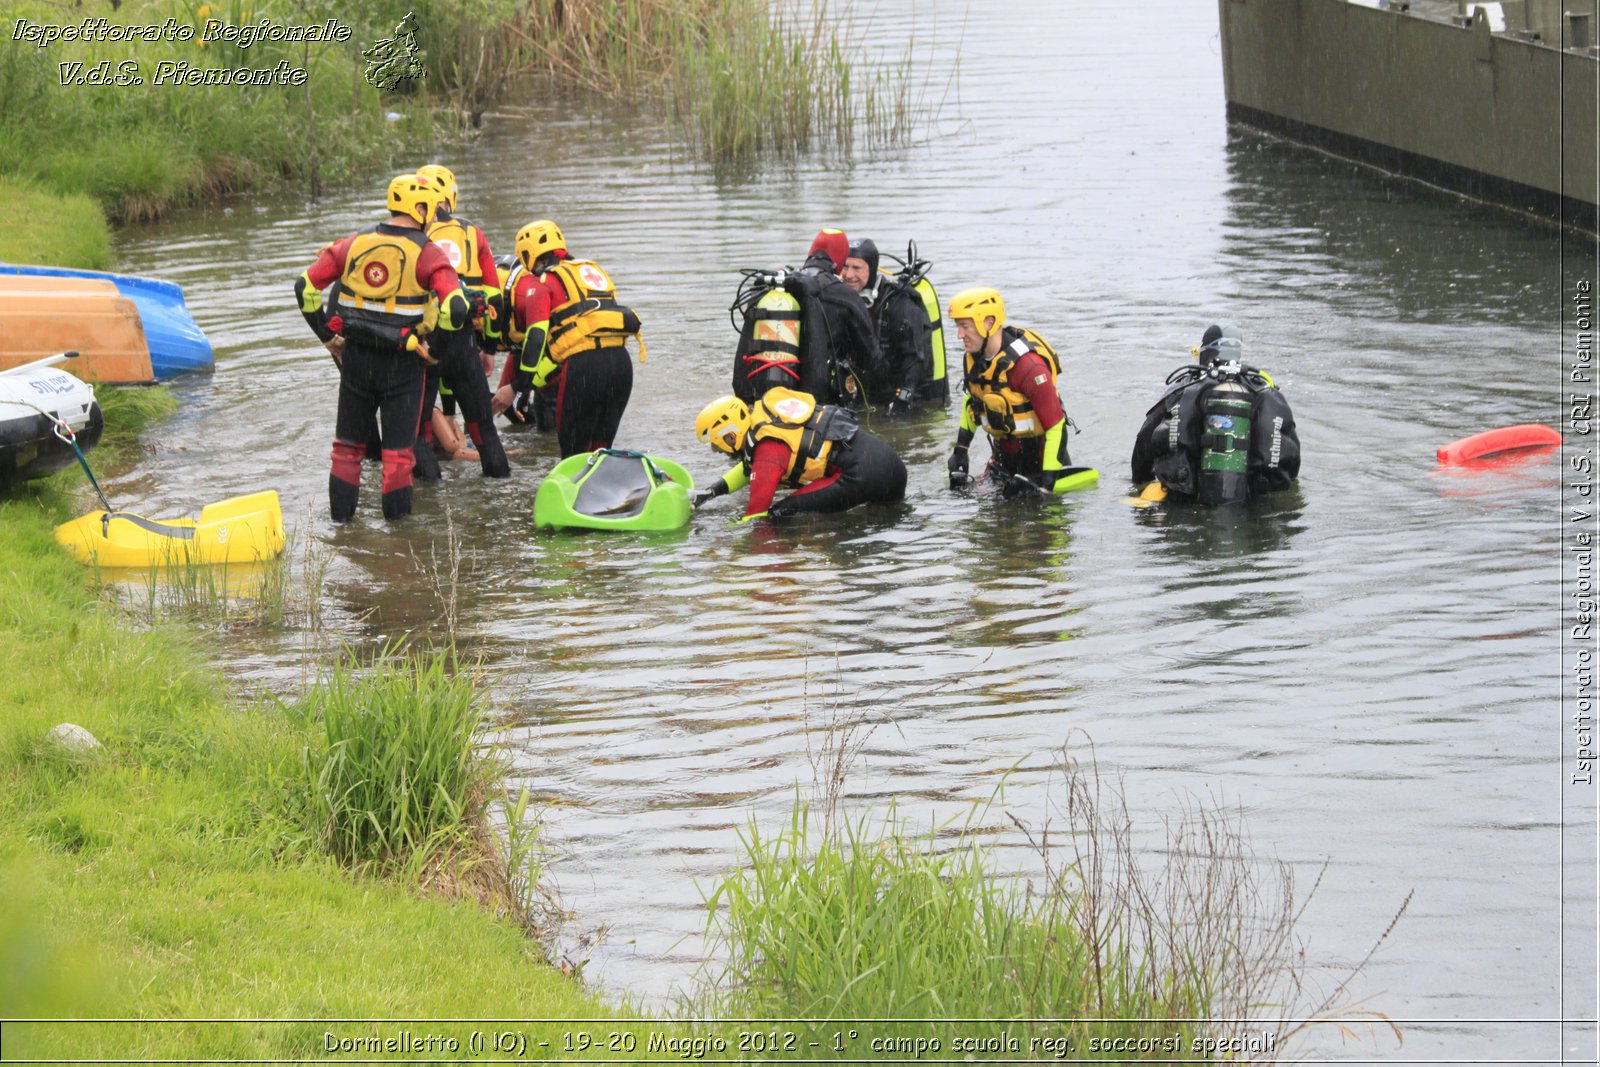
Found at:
<point>1001,410</point>
<point>591,317</point>
<point>515,334</point>
<point>378,295</point>
<point>459,239</point>
<point>811,431</point>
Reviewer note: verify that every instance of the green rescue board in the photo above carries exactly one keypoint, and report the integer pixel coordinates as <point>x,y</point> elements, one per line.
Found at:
<point>614,489</point>
<point>1074,479</point>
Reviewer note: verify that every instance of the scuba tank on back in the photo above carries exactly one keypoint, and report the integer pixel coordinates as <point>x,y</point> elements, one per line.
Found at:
<point>915,278</point>
<point>1225,443</point>
<point>767,317</point>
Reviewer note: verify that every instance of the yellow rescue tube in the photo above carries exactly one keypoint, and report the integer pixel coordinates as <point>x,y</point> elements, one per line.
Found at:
<point>241,529</point>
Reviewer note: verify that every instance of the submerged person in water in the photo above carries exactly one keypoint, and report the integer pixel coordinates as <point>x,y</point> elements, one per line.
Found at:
<point>1222,433</point>
<point>788,439</point>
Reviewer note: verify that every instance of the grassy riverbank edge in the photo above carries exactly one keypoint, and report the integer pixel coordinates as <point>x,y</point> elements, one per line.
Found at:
<point>163,877</point>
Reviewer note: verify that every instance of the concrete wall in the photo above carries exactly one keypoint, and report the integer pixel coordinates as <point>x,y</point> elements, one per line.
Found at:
<point>1509,119</point>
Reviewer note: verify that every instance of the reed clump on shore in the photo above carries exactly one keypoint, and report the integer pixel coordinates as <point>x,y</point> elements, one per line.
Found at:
<point>1114,951</point>
<point>396,776</point>
<point>745,78</point>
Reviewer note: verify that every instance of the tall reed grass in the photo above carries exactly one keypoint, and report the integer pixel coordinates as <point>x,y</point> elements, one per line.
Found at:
<point>395,773</point>
<point>1105,953</point>
<point>398,777</point>
<point>745,77</point>
<point>878,923</point>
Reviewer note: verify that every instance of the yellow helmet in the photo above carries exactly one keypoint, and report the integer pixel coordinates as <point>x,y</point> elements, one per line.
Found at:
<point>977,304</point>
<point>414,195</point>
<point>445,177</point>
<point>537,238</point>
<point>723,423</point>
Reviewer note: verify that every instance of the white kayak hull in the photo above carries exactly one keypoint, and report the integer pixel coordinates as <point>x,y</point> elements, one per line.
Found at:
<point>33,401</point>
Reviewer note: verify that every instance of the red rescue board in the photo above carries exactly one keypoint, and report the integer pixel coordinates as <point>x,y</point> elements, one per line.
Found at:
<point>1505,439</point>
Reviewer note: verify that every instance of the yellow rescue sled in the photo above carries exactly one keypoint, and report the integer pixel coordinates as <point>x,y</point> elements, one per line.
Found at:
<point>241,529</point>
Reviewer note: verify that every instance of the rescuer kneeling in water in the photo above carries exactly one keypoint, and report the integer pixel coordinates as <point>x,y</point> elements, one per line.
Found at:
<point>787,438</point>
<point>1011,375</point>
<point>1221,434</point>
<point>394,287</point>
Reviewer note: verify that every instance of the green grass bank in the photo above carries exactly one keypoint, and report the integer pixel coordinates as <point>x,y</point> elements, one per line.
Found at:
<point>744,79</point>
<point>183,871</point>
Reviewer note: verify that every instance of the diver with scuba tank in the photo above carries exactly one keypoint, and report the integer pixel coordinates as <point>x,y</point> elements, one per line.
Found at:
<point>1011,381</point>
<point>1221,434</point>
<point>905,318</point>
<point>804,329</point>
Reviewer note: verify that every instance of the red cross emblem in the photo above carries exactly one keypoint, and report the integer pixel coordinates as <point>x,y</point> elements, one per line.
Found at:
<point>376,274</point>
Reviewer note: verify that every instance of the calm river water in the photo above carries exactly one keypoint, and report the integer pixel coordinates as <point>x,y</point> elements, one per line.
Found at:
<point>1368,668</point>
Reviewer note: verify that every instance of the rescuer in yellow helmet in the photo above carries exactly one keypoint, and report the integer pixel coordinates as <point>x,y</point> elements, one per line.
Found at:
<point>1011,376</point>
<point>458,377</point>
<point>788,439</point>
<point>394,288</point>
<point>568,332</point>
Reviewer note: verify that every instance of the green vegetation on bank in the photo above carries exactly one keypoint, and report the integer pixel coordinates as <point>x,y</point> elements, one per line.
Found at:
<point>141,149</point>
<point>743,77</point>
<point>178,872</point>
<point>66,230</point>
<point>398,778</point>
<point>883,924</point>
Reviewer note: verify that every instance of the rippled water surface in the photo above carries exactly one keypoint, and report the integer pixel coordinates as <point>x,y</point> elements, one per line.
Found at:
<point>1367,667</point>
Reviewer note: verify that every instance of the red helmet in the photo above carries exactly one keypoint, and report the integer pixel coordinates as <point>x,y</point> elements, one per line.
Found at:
<point>834,244</point>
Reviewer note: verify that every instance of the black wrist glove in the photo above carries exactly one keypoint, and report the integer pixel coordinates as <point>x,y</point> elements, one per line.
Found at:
<point>957,465</point>
<point>701,497</point>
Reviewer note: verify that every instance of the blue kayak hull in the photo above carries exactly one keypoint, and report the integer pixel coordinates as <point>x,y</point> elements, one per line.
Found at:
<point>177,345</point>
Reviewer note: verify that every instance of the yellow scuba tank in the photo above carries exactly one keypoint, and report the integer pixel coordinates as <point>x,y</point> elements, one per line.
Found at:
<point>930,303</point>
<point>777,327</point>
<point>769,349</point>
